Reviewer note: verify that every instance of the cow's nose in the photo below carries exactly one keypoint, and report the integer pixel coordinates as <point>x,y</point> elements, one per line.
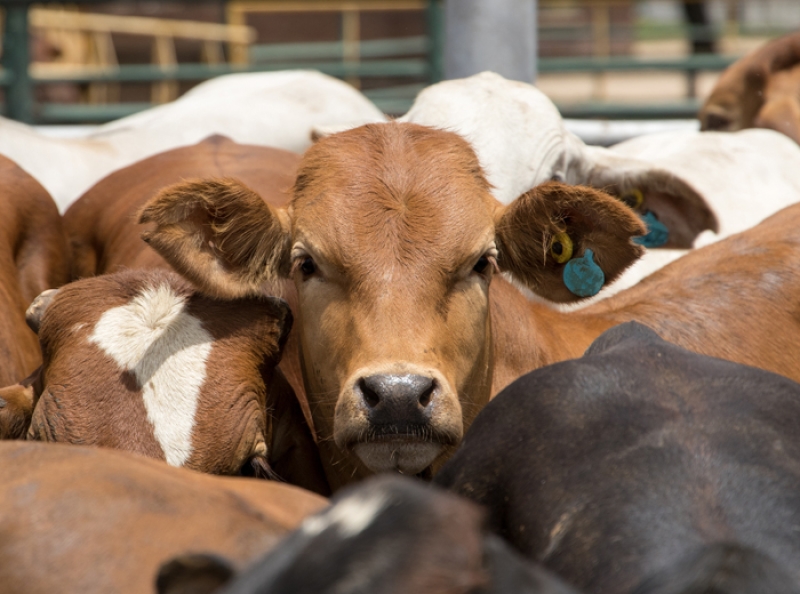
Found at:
<point>392,398</point>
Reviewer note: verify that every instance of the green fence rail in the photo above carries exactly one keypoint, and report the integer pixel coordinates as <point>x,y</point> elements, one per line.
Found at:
<point>418,59</point>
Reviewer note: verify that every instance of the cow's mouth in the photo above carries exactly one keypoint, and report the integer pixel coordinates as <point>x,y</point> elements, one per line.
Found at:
<point>408,449</point>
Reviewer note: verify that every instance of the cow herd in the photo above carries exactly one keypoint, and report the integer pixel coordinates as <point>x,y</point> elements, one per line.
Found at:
<point>592,353</point>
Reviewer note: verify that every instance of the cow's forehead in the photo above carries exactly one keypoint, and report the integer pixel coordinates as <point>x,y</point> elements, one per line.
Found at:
<point>400,190</point>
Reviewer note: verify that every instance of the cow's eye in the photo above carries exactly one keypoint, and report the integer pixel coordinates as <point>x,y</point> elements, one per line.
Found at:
<point>307,266</point>
<point>561,247</point>
<point>482,265</point>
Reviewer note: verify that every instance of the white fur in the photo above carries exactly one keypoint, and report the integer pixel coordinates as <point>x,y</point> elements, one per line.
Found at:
<point>166,349</point>
<point>350,516</point>
<point>278,109</point>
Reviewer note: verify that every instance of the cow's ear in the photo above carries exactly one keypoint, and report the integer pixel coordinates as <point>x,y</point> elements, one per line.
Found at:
<point>674,211</point>
<point>193,574</point>
<point>567,242</point>
<point>220,235</point>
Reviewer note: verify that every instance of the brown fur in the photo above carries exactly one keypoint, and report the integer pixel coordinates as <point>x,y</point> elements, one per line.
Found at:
<point>69,510</point>
<point>33,258</point>
<point>762,90</point>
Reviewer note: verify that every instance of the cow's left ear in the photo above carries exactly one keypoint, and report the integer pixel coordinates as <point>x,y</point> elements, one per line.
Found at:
<point>567,242</point>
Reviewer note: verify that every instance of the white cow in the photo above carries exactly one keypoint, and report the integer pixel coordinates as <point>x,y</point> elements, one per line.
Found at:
<point>277,109</point>
<point>720,183</point>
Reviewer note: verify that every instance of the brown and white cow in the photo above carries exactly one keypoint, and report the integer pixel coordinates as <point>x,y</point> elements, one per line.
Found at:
<point>761,90</point>
<point>33,258</point>
<point>140,361</point>
<point>90,520</point>
<point>392,240</point>
<point>105,239</point>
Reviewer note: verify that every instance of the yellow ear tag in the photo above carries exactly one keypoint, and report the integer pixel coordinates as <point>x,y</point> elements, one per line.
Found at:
<point>561,247</point>
<point>633,198</point>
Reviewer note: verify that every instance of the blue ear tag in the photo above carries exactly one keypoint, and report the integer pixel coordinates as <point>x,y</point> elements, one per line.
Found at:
<point>657,232</point>
<point>583,277</point>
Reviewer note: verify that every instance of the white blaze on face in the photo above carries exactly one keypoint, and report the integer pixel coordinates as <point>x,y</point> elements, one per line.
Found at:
<point>166,349</point>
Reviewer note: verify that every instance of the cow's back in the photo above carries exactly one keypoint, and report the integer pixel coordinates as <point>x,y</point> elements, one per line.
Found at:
<point>629,459</point>
<point>102,226</point>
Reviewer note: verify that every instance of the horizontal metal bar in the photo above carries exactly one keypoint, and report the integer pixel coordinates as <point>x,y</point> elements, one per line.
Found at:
<point>698,62</point>
<point>148,73</point>
<point>330,50</point>
<point>396,92</point>
<point>626,111</point>
<point>70,113</point>
<point>394,106</point>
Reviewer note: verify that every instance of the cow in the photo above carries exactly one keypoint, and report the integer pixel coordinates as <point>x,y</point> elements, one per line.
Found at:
<point>760,90</point>
<point>33,258</point>
<point>104,239</point>
<point>140,361</point>
<point>276,109</point>
<point>643,465</point>
<point>392,241</point>
<point>387,535</point>
<point>691,188</point>
<point>93,520</point>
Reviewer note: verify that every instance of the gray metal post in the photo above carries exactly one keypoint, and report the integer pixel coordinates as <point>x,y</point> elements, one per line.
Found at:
<point>16,59</point>
<point>498,35</point>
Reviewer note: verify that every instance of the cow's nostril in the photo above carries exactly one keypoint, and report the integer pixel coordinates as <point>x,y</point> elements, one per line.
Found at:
<point>425,397</point>
<point>371,397</point>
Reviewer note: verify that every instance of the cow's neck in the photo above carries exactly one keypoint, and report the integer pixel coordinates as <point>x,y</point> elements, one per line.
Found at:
<point>528,335</point>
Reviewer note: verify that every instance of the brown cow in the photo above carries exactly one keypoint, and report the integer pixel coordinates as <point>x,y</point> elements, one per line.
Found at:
<point>79,519</point>
<point>392,239</point>
<point>33,258</point>
<point>761,90</point>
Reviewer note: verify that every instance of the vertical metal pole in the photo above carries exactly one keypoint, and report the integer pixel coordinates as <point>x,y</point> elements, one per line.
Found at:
<point>497,35</point>
<point>16,59</point>
<point>435,20</point>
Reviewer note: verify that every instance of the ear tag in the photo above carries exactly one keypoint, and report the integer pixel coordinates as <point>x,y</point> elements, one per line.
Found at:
<point>657,232</point>
<point>583,277</point>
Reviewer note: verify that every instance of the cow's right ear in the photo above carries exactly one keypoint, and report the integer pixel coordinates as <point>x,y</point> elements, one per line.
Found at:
<point>220,235</point>
<point>567,242</point>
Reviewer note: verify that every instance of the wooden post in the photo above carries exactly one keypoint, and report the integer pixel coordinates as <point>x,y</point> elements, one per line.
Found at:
<point>16,60</point>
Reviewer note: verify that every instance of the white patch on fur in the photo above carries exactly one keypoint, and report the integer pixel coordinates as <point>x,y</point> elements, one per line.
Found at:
<point>350,516</point>
<point>166,350</point>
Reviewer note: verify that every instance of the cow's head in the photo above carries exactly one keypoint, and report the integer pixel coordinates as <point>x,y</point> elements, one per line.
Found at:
<point>392,239</point>
<point>140,361</point>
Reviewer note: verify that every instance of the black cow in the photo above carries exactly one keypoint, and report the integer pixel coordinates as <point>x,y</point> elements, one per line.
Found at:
<point>643,464</point>
<point>389,535</point>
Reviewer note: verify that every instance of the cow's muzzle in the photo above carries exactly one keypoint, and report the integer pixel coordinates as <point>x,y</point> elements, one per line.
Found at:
<point>399,422</point>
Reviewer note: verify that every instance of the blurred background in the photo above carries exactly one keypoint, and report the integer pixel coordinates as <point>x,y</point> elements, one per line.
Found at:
<point>90,62</point>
